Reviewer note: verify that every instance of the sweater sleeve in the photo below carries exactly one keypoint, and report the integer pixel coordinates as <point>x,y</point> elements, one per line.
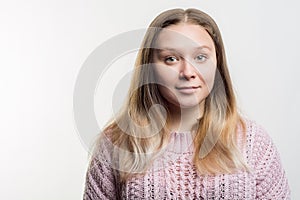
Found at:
<point>271,180</point>
<point>100,179</point>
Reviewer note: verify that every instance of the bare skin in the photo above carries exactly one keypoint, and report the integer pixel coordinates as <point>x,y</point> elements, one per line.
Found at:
<point>185,64</point>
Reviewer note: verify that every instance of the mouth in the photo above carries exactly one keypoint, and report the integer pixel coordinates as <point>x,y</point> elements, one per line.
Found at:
<point>188,89</point>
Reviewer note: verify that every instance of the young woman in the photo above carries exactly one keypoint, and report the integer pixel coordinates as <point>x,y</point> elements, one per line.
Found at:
<point>179,134</point>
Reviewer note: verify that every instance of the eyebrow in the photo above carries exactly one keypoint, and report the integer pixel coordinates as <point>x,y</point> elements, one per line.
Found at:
<point>172,49</point>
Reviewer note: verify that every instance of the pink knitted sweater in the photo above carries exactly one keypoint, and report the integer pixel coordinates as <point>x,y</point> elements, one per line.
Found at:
<point>173,175</point>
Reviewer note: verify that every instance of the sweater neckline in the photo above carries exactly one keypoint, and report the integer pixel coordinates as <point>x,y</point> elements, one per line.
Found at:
<point>180,142</point>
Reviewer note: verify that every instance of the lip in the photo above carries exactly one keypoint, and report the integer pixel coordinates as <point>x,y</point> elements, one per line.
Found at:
<point>188,89</point>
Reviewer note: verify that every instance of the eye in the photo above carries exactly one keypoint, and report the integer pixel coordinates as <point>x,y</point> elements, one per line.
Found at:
<point>171,59</point>
<point>201,58</point>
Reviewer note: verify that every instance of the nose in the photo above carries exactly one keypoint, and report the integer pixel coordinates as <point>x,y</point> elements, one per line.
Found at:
<point>187,70</point>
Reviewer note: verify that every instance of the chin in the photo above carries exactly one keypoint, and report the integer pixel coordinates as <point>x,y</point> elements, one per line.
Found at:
<point>188,104</point>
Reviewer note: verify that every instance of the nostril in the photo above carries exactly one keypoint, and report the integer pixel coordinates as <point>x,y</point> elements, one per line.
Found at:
<point>187,75</point>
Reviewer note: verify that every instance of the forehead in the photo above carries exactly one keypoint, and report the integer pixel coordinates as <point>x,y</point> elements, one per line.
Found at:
<point>184,36</point>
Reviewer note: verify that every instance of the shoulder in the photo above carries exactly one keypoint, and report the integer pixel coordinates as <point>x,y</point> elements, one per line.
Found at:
<point>259,144</point>
<point>256,131</point>
<point>103,147</point>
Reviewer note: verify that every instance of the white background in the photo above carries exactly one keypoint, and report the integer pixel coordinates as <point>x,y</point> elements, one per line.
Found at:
<point>44,43</point>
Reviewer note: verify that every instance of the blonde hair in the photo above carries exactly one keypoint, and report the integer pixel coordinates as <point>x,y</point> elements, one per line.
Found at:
<point>131,132</point>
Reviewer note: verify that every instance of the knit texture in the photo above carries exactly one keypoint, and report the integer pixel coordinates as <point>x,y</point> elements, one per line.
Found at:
<point>173,175</point>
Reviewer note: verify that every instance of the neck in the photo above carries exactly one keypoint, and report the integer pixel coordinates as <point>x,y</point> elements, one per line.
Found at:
<point>184,119</point>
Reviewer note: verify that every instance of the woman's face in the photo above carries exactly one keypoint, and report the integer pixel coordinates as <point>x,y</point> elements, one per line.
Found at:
<point>185,64</point>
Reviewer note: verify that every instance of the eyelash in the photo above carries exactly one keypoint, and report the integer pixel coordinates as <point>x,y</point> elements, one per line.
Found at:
<point>203,56</point>
<point>167,59</point>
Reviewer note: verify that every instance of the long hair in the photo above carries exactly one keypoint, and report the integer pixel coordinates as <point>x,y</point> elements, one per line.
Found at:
<point>138,132</point>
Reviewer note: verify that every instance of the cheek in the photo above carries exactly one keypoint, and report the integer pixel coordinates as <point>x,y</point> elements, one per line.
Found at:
<point>210,79</point>
<point>168,94</point>
<point>207,75</point>
<point>165,76</point>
